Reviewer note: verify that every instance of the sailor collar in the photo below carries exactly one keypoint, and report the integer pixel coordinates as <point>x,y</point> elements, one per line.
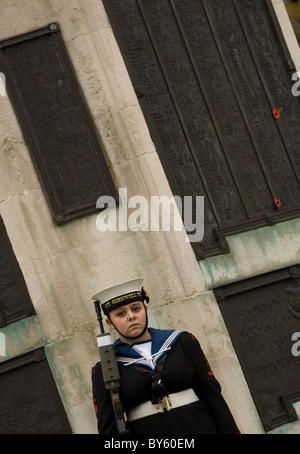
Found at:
<point>162,341</point>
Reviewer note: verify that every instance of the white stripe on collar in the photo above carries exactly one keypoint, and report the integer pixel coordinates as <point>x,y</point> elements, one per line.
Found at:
<point>165,347</point>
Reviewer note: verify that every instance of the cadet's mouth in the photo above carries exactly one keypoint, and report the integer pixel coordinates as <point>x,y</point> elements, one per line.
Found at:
<point>135,325</point>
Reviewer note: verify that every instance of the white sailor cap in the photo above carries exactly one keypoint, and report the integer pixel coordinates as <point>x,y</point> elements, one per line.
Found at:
<point>120,294</point>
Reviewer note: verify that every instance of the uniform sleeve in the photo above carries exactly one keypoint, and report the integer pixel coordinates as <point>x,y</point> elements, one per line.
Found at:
<point>208,388</point>
<point>103,404</point>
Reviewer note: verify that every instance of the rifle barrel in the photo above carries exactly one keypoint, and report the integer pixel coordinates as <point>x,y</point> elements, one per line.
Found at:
<point>99,316</point>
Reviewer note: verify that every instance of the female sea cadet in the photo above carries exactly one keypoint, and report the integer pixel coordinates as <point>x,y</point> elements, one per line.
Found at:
<point>167,385</point>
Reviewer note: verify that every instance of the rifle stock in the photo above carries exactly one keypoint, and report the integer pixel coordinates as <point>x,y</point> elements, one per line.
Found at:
<point>110,371</point>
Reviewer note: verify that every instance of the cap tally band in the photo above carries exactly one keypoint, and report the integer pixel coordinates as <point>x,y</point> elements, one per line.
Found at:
<point>121,300</point>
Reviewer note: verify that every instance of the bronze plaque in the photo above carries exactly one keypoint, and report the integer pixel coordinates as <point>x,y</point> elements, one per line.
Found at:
<point>262,314</point>
<point>209,74</point>
<point>56,122</point>
<point>29,400</point>
<point>15,302</point>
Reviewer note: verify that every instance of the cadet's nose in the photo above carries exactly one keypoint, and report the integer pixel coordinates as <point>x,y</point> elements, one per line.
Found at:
<point>130,315</point>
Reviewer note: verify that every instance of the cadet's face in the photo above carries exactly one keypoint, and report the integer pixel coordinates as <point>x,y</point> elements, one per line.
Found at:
<point>129,320</point>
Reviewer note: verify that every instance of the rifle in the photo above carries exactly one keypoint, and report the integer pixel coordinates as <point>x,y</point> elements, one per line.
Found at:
<point>110,371</point>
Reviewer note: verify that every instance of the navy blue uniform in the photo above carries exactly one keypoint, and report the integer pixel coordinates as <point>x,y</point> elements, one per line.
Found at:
<point>184,367</point>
